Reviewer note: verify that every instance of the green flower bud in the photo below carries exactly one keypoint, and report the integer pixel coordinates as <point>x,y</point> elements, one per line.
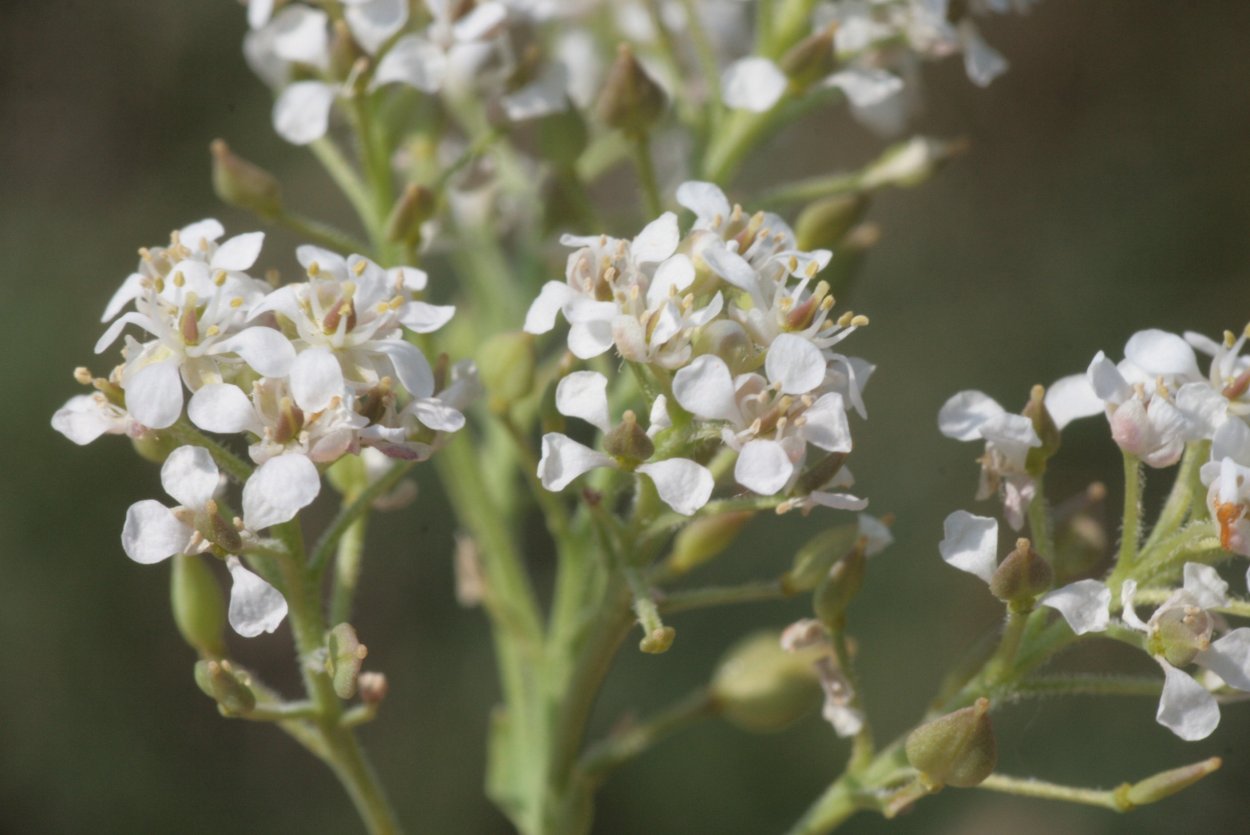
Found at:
<point>704,539</point>
<point>814,560</point>
<point>1044,425</point>
<point>198,604</point>
<point>1179,633</point>
<point>824,223</point>
<point>415,206</point>
<point>760,687</point>
<point>1165,784</point>
<point>344,656</point>
<point>505,365</point>
<point>852,253</point>
<point>811,59</point>
<point>1021,576</point>
<point>658,641</point>
<point>911,163</point>
<point>628,442</point>
<point>244,185</point>
<point>630,99</point>
<point>839,588</point>
<point>729,341</point>
<point>229,687</point>
<point>955,750</point>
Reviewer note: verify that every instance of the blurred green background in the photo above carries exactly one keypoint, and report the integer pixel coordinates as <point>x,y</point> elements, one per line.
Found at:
<point>1108,189</point>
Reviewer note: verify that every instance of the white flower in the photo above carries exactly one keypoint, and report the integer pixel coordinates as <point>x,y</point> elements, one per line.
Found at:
<point>1228,481</point>
<point>754,84</point>
<point>970,543</point>
<point>86,417</point>
<point>682,484</point>
<point>255,606</point>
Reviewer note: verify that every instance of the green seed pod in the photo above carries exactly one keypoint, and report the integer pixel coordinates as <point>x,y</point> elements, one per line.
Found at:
<point>243,184</point>
<point>704,539</point>
<point>760,687</point>
<point>1021,576</point>
<point>415,206</point>
<point>811,59</point>
<point>630,99</point>
<point>955,750</point>
<point>505,365</point>
<point>199,606</point>
<point>659,641</point>
<point>628,442</point>
<point>344,656</point>
<point>1179,633</point>
<point>227,686</point>
<point>1167,783</point>
<point>813,561</point>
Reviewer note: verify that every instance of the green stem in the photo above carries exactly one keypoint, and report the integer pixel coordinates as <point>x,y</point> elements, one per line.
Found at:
<point>623,746</point>
<point>320,233</point>
<point>1181,498</point>
<point>1131,533</point>
<point>1039,525</point>
<point>706,55</point>
<point>345,177</point>
<point>808,190</point>
<point>646,176</point>
<point>830,810</point>
<point>706,598</point>
<point>1083,684</point>
<point>356,509</point>
<point>347,565</point>
<point>1028,787</point>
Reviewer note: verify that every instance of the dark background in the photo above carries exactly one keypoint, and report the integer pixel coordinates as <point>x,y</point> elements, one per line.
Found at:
<point>1107,190</point>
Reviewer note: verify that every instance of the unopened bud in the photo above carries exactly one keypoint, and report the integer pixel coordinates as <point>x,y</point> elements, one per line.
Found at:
<point>1021,576</point>
<point>909,163</point>
<point>1179,633</point>
<point>344,656</point>
<point>955,750</point>
<point>630,99</point>
<point>628,442</point>
<point>243,184</point>
<point>227,686</point>
<point>758,686</point>
<point>373,688</point>
<point>414,207</point>
<point>824,223</point>
<point>658,641</point>
<point>505,365</point>
<point>1044,425</point>
<point>1153,789</point>
<point>811,59</point>
<point>812,562</point>
<point>704,539</point>
<point>839,588</point>
<point>820,473</point>
<point>198,605</point>
<point>729,341</point>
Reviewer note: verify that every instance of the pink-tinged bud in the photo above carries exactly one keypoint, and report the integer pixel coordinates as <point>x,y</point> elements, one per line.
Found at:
<point>955,750</point>
<point>373,688</point>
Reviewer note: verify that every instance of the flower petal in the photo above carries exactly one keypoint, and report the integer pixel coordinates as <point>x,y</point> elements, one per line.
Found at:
<point>1106,380</point>
<point>754,84</point>
<point>154,395</point>
<point>1159,352</point>
<point>1085,605</point>
<point>705,388</point>
<point>866,87</point>
<point>584,394</point>
<point>316,379</point>
<point>796,364</point>
<point>373,22</point>
<point>190,476</point>
<point>564,459</point>
<point>302,113</point>
<point>1229,658</point>
<point>657,241</point>
<point>1070,398</point>
<point>825,424</point>
<point>224,408</point>
<point>239,252</point>
<point>264,349</point>
<point>706,200</point>
<point>279,489</point>
<point>411,367</point>
<point>1186,708</point>
<point>763,467</point>
<point>970,543</point>
<point>413,61</point>
<point>683,485</point>
<point>1204,584</point>
<point>420,317</point>
<point>541,317</point>
<point>961,416</point>
<point>153,533</point>
<point>255,606</point>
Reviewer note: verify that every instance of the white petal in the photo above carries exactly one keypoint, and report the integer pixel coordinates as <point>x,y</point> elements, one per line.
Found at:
<point>300,35</point>
<point>480,21</point>
<point>837,501</point>
<point>411,366</point>
<point>584,394</point>
<point>1009,429</point>
<point>200,234</point>
<point>154,395</point>
<point>255,606</point>
<point>795,363</point>
<point>826,425</point>
<point>437,415</point>
<point>730,266</point>
<point>153,533</point>
<point>1229,658</point>
<point>541,316</point>
<point>114,330</point>
<point>415,62</point>
<point>239,252</point>
<point>1159,352</point>
<point>876,532</point>
<point>258,12</point>
<point>190,476</point>
<point>543,96</point>
<point>1085,605</point>
<point>1205,585</point>
<point>420,317</point>
<point>676,273</point>
<point>763,467</point>
<point>131,288</point>
<point>373,23</point>
<point>754,84</point>
<point>1186,708</point>
<point>866,87</point>
<point>705,388</point>
<point>564,459</point>
<point>982,62</point>
<point>706,200</point>
<point>316,379</point>
<point>84,418</point>
<point>970,543</point>
<point>1070,398</point>
<point>279,489</point>
<point>657,241</point>
<point>1231,440</point>
<point>302,113</point>
<point>224,408</point>
<point>962,415</point>
<point>265,349</point>
<point>1107,381</point>
<point>659,419</point>
<point>683,485</point>
<point>590,338</point>
<point>1128,591</point>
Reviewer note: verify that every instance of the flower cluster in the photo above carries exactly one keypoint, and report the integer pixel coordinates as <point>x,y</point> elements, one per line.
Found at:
<point>732,324</point>
<point>307,372</point>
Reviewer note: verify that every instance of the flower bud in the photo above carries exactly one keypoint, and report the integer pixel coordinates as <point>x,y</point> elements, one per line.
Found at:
<point>1179,633</point>
<point>244,185</point>
<point>1021,576</point>
<point>910,163</point>
<point>505,365</point>
<point>704,539</point>
<point>630,99</point>
<point>729,341</point>
<point>825,222</point>
<point>414,207</point>
<point>812,562</point>
<point>628,442</point>
<point>1167,783</point>
<point>373,688</point>
<point>955,750</point>
<point>198,604</point>
<point>761,687</point>
<point>811,59</point>
<point>658,641</point>
<point>839,588</point>
<point>344,656</point>
<point>1044,425</point>
<point>229,687</point>
<point>820,473</point>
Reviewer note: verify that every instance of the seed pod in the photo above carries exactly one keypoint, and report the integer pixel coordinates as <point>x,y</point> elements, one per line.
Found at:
<point>704,539</point>
<point>243,184</point>
<point>630,99</point>
<point>955,750</point>
<point>1044,425</point>
<point>811,59</point>
<point>344,656</point>
<point>1021,576</point>
<point>761,687</point>
<point>1167,783</point>
<point>628,442</point>
<point>227,686</point>
<point>199,606</point>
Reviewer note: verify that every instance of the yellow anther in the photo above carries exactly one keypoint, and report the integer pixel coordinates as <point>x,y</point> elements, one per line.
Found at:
<point>826,304</point>
<point>807,400</point>
<point>314,269</point>
<point>794,264</point>
<point>755,426</point>
<point>360,267</point>
<point>786,304</point>
<point>860,321</point>
<point>717,220</point>
<point>1246,331</point>
<point>220,278</point>
<point>1229,339</point>
<point>845,319</point>
<point>213,330</point>
<point>801,420</point>
<point>236,302</point>
<point>812,268</point>
<point>82,375</point>
<point>179,279</point>
<point>781,424</point>
<point>396,302</point>
<point>145,253</point>
<point>237,522</point>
